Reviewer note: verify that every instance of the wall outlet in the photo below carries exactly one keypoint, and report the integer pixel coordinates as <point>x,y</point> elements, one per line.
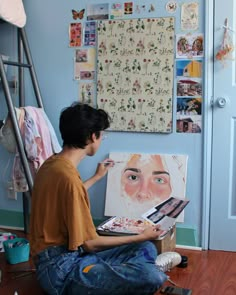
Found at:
<point>11,193</point>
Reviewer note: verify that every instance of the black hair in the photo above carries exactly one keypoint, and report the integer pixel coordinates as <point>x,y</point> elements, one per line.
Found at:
<point>79,121</point>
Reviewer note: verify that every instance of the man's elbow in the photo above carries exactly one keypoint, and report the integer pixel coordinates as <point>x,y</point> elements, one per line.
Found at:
<point>89,246</point>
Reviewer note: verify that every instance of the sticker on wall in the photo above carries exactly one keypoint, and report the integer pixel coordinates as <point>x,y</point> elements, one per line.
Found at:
<point>85,63</point>
<point>116,11</point>
<point>151,8</point>
<point>189,45</point>
<point>75,34</point>
<point>171,6</point>
<point>78,14</point>
<point>139,182</point>
<point>97,11</point>
<point>90,33</point>
<point>140,8</point>
<point>189,16</point>
<point>128,8</point>
<point>86,93</point>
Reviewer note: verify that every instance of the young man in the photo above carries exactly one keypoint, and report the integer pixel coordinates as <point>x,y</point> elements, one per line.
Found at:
<point>69,255</point>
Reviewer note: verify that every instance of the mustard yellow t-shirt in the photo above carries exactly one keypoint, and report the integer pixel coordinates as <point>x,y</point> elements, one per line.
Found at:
<point>60,211</point>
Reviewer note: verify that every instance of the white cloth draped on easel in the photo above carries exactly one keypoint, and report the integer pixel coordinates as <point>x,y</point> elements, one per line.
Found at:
<point>39,139</point>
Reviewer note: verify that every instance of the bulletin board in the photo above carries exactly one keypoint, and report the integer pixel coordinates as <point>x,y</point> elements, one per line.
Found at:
<point>135,73</point>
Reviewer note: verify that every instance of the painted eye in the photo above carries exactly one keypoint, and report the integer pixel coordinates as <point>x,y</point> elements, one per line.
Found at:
<point>159,180</point>
<point>133,177</point>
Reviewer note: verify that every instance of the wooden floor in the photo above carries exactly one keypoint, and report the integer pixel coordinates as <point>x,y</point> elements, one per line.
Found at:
<point>208,273</point>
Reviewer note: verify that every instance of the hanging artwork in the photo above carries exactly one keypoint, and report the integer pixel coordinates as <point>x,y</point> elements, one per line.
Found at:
<point>128,8</point>
<point>85,63</point>
<point>86,93</point>
<point>227,47</point>
<point>138,182</point>
<point>75,34</point>
<point>116,10</point>
<point>90,33</point>
<point>97,11</point>
<point>135,73</point>
<point>189,123</point>
<point>189,16</point>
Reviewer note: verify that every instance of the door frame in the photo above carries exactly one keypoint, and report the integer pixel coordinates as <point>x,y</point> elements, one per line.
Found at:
<point>207,119</point>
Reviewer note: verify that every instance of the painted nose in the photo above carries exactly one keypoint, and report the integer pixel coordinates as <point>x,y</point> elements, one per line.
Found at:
<point>144,192</point>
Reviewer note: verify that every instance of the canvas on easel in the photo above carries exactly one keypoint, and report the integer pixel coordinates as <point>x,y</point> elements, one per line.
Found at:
<point>138,182</point>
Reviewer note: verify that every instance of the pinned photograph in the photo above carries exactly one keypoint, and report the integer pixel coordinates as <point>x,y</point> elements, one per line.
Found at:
<point>189,68</point>
<point>98,11</point>
<point>189,106</point>
<point>116,11</point>
<point>87,75</point>
<point>189,124</point>
<point>189,86</point>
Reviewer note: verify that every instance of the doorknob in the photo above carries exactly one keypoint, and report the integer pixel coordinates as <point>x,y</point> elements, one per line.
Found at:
<point>221,102</point>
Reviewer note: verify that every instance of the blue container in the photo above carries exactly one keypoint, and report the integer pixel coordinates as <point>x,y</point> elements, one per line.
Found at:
<point>16,250</point>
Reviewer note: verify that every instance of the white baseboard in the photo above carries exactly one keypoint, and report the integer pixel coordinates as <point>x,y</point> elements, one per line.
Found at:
<point>189,247</point>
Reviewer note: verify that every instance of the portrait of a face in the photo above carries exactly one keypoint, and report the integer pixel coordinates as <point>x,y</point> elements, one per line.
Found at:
<point>139,182</point>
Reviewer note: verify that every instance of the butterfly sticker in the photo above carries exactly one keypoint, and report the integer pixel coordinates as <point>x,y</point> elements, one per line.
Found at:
<point>78,14</point>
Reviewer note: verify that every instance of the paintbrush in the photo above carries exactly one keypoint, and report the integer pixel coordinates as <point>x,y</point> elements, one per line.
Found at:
<point>107,162</point>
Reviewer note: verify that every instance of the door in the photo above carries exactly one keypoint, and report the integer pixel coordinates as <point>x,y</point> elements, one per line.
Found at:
<point>223,182</point>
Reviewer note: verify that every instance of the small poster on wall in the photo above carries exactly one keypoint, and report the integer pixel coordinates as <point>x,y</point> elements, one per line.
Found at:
<point>116,11</point>
<point>75,34</point>
<point>86,93</point>
<point>85,63</point>
<point>189,16</point>
<point>90,33</point>
<point>98,11</point>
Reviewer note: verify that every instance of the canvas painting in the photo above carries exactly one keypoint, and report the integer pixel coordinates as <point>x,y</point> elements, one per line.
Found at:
<point>138,182</point>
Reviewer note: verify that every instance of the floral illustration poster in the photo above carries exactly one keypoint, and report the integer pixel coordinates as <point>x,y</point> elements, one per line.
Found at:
<point>135,73</point>
<point>86,93</point>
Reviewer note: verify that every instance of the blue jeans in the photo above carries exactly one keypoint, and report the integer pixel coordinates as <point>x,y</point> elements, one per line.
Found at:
<point>125,270</point>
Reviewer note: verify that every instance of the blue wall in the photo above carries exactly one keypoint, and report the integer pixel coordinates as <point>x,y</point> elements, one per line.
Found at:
<point>47,30</point>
